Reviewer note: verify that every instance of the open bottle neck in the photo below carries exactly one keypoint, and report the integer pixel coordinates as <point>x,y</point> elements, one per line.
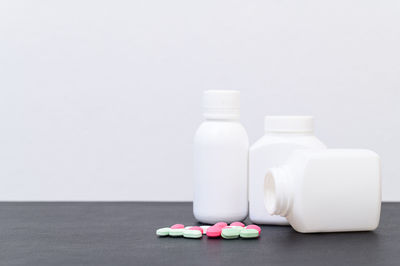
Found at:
<point>277,191</point>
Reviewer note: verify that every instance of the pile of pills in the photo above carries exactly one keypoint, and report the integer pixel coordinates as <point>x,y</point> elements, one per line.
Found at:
<point>221,229</point>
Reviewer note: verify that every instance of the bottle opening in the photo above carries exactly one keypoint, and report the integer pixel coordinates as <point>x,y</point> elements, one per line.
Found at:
<point>270,200</point>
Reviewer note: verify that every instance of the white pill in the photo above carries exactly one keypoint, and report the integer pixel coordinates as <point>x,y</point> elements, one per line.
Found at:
<point>205,227</point>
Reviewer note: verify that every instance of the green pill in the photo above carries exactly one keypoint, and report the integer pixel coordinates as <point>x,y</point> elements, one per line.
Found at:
<point>163,231</point>
<point>231,232</point>
<point>176,232</point>
<point>192,233</point>
<point>249,233</point>
<point>240,228</point>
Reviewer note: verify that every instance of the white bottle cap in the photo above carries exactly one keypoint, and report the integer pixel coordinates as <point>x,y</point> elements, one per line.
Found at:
<point>289,124</point>
<point>221,104</point>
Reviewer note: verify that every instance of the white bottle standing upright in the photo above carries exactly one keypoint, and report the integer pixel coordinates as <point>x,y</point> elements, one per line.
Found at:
<point>326,190</point>
<point>220,160</point>
<point>283,135</point>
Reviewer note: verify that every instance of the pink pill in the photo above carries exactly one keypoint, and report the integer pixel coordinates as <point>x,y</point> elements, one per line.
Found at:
<point>237,224</point>
<point>178,226</point>
<point>221,224</point>
<point>196,228</point>
<point>214,231</point>
<point>253,226</point>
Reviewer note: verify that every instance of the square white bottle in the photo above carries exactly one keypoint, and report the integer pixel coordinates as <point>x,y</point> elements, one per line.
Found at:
<point>283,135</point>
<point>331,190</point>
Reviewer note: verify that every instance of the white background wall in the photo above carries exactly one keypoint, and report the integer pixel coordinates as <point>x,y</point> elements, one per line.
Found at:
<point>99,100</point>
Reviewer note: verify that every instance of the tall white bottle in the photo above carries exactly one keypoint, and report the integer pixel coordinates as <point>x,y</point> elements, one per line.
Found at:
<point>326,190</point>
<point>220,160</point>
<point>283,135</point>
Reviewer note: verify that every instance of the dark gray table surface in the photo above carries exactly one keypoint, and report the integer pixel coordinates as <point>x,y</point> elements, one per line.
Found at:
<point>124,234</point>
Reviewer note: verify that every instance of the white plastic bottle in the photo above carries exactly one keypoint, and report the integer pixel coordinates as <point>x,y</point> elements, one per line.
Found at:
<point>283,134</point>
<point>327,190</point>
<point>220,160</point>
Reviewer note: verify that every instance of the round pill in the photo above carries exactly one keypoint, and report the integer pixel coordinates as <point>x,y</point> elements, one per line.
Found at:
<point>221,224</point>
<point>230,232</point>
<point>177,226</point>
<point>205,228</point>
<point>237,224</point>
<point>253,226</point>
<point>249,233</point>
<point>176,232</point>
<point>163,231</point>
<point>192,233</point>
<point>214,231</point>
<point>196,228</point>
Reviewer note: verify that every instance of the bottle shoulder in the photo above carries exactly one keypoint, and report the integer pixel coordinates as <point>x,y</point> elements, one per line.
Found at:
<point>224,131</point>
<point>211,127</point>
